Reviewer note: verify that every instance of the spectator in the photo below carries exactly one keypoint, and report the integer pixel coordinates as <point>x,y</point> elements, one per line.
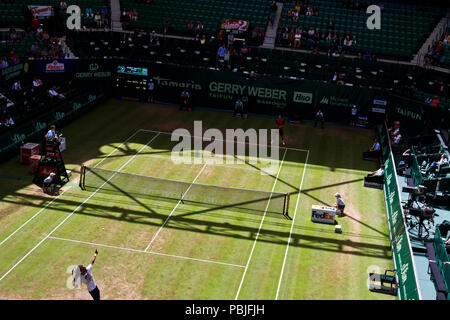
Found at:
<point>435,102</point>
<point>63,5</point>
<point>185,97</point>
<point>54,94</point>
<point>166,26</point>
<point>273,12</point>
<point>134,15</point>
<point>397,138</point>
<point>37,82</point>
<point>90,13</point>
<point>4,63</point>
<point>238,108</point>
<point>435,165</point>
<point>230,40</point>
<point>407,158</point>
<point>374,151</point>
<point>347,43</point>
<point>35,23</point>
<point>199,28</point>
<point>221,52</point>
<point>12,34</point>
<point>354,116</point>
<point>319,117</point>
<point>190,28</point>
<point>151,90</point>
<point>376,176</point>
<point>8,121</point>
<point>16,86</point>
<point>297,39</point>
<point>335,77</point>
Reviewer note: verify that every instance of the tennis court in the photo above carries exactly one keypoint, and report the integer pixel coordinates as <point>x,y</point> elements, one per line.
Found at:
<point>139,222</point>
<point>206,241</point>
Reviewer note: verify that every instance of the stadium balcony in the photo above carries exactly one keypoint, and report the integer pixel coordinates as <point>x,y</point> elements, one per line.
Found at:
<point>145,47</point>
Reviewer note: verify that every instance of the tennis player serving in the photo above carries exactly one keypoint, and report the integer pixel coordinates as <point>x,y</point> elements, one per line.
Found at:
<point>280,124</point>
<point>88,279</point>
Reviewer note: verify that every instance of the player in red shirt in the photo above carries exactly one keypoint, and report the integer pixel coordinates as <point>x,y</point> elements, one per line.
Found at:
<point>280,124</point>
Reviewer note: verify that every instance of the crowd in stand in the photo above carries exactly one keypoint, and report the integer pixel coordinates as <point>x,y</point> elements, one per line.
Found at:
<point>294,36</point>
<point>435,55</point>
<point>99,18</point>
<point>30,96</point>
<point>128,15</point>
<point>23,95</point>
<point>43,45</point>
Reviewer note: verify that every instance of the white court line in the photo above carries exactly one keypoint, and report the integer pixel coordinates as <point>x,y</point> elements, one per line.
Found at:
<point>54,199</point>
<point>292,226</point>
<point>252,144</point>
<point>260,226</point>
<point>147,252</point>
<point>173,210</point>
<point>76,209</point>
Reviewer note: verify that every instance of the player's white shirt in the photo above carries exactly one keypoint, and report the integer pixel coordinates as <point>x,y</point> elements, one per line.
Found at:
<point>340,201</point>
<point>88,279</point>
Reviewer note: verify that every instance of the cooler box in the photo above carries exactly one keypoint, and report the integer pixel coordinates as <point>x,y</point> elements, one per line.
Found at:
<point>34,163</point>
<point>323,214</point>
<point>27,150</point>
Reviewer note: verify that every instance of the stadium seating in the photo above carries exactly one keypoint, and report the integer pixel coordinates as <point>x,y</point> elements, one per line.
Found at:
<point>404,26</point>
<point>209,13</point>
<point>14,13</point>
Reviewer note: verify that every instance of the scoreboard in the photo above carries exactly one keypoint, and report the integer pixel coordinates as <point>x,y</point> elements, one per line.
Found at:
<point>136,71</point>
<point>131,82</point>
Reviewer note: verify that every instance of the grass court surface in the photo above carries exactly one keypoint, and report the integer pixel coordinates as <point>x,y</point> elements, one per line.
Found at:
<point>159,248</point>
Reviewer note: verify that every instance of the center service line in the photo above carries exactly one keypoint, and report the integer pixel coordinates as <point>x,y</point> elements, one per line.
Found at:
<point>173,210</point>
<point>76,209</point>
<point>260,226</point>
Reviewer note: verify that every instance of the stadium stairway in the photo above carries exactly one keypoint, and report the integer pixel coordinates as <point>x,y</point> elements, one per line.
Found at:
<point>435,35</point>
<point>271,32</point>
<point>116,25</point>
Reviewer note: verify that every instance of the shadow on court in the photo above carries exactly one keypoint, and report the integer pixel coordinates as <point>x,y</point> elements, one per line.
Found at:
<point>237,229</point>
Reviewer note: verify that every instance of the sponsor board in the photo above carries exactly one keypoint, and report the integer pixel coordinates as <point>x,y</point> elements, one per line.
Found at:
<point>323,214</point>
<point>302,97</point>
<point>234,24</point>
<point>54,66</point>
<point>41,11</point>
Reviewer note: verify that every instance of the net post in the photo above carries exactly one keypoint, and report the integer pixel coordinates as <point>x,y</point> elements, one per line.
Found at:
<point>82,172</point>
<point>286,204</point>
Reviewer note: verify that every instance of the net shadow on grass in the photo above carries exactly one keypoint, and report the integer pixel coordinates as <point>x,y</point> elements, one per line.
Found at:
<point>233,230</point>
<point>191,193</point>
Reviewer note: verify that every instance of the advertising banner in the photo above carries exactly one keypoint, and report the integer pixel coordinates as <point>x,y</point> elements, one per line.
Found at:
<point>41,11</point>
<point>398,234</point>
<point>323,214</point>
<point>13,71</point>
<point>233,24</point>
<point>92,69</point>
<point>263,94</point>
<point>54,66</point>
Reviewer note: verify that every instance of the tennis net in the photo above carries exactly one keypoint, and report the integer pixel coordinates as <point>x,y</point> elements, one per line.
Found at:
<point>222,197</point>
